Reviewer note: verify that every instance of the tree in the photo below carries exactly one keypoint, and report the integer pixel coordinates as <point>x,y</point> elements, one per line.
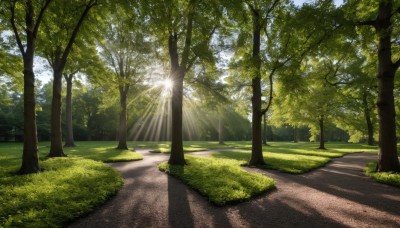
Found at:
<point>126,51</point>
<point>65,26</point>
<point>173,22</point>
<point>30,14</point>
<point>383,17</point>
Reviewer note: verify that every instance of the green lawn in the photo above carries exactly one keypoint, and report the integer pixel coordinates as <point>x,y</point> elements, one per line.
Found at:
<point>384,177</point>
<point>297,157</point>
<point>67,187</point>
<point>223,181</point>
<point>191,146</point>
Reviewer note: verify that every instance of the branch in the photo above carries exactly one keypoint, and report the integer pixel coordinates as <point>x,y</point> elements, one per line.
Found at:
<point>272,7</point>
<point>71,41</point>
<point>188,37</point>
<point>370,22</point>
<point>40,17</point>
<point>271,89</point>
<point>14,27</point>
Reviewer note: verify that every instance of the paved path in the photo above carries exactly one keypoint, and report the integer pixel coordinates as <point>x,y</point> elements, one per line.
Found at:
<point>338,195</point>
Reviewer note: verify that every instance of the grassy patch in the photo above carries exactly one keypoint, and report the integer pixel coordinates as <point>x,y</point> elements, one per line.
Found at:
<point>68,188</point>
<point>383,177</point>
<point>102,151</point>
<point>98,151</point>
<point>297,158</point>
<point>221,180</point>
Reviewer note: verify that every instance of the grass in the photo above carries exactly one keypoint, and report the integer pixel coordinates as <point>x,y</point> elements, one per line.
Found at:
<point>382,177</point>
<point>192,146</point>
<point>67,189</point>
<point>297,158</point>
<point>98,151</point>
<point>223,181</point>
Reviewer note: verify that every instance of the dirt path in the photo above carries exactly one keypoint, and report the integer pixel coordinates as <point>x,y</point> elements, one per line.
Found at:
<point>337,195</point>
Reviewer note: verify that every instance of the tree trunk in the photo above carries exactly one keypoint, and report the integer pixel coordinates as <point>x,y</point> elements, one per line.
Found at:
<point>264,138</point>
<point>321,134</point>
<point>30,157</point>
<point>220,130</point>
<point>122,119</point>
<point>56,148</point>
<point>256,152</point>
<point>177,156</point>
<point>388,160</point>
<point>367,115</point>
<point>69,137</point>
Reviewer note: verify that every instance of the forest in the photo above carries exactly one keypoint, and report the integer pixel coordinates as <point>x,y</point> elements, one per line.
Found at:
<point>278,63</point>
<point>241,73</point>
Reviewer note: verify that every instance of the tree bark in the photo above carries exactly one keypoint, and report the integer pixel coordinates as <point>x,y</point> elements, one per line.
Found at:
<point>69,137</point>
<point>122,145</point>
<point>220,130</point>
<point>387,158</point>
<point>177,156</point>
<point>30,157</point>
<point>367,115</point>
<point>256,152</point>
<point>56,147</point>
<point>321,134</point>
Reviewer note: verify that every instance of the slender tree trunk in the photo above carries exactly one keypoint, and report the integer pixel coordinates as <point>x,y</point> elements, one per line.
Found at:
<point>220,129</point>
<point>388,160</point>
<point>177,156</point>
<point>256,152</point>
<point>264,138</point>
<point>321,134</point>
<point>367,115</point>
<point>69,137</point>
<point>56,147</point>
<point>30,157</point>
<point>122,119</point>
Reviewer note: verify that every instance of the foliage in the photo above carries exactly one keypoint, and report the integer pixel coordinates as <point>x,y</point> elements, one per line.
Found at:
<point>296,157</point>
<point>66,189</point>
<point>222,181</point>
<point>382,177</point>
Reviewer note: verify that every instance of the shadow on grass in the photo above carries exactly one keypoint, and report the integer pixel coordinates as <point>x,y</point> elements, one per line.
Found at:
<point>285,162</point>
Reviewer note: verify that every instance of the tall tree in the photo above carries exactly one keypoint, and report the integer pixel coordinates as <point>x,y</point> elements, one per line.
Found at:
<point>126,51</point>
<point>383,16</point>
<point>64,25</point>
<point>24,19</point>
<point>174,23</point>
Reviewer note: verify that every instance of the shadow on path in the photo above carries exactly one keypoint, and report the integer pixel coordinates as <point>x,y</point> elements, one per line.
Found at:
<point>338,195</point>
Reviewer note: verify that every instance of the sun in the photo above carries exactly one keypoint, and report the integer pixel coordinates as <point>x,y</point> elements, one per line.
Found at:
<point>167,84</point>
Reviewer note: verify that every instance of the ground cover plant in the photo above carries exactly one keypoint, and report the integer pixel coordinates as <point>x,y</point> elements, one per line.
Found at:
<point>297,158</point>
<point>382,177</point>
<point>222,181</point>
<point>66,189</point>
